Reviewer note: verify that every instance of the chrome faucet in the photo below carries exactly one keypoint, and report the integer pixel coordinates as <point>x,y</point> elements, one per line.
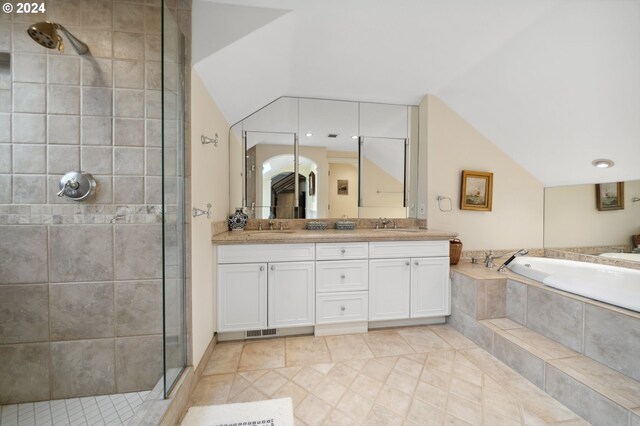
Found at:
<point>385,222</point>
<point>489,258</point>
<point>270,225</point>
<point>521,252</point>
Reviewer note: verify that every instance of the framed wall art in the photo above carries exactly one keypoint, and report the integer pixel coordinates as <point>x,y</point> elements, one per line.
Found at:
<point>477,191</point>
<point>610,196</point>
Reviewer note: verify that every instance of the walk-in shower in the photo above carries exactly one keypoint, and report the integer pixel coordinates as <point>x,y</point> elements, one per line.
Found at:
<point>92,286</point>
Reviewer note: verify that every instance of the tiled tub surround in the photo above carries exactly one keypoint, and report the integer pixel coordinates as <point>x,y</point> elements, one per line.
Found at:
<point>80,283</point>
<point>580,351</point>
<point>590,255</point>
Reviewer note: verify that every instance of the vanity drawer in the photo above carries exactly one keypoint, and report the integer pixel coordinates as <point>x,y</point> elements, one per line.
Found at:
<point>248,253</point>
<point>342,307</point>
<point>342,251</point>
<point>342,275</point>
<point>393,249</point>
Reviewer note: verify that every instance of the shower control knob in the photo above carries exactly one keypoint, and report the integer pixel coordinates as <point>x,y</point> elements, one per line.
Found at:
<point>76,185</point>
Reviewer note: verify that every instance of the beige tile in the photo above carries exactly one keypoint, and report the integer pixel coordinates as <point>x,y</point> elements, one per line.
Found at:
<point>381,416</point>
<point>450,420</point>
<point>250,394</point>
<point>377,369</point>
<point>252,376</point>
<point>298,422</point>
<point>289,372</point>
<point>615,386</point>
<point>419,358</point>
<point>387,343</point>
<point>422,339</point>
<point>224,359</point>
<point>464,409</point>
<point>239,384</point>
<point>356,405</point>
<point>424,414</point>
<point>323,368</point>
<point>329,391</point>
<point>538,402</point>
<point>496,298</point>
<point>495,418</point>
<point>466,390</point>
<point>339,418</point>
<point>436,378</point>
<point>453,337</point>
<point>431,394</point>
<point>343,374</point>
<point>306,350</point>
<point>293,391</point>
<point>308,378</point>
<point>537,344</point>
<point>504,323</point>
<point>312,411</point>
<point>348,347</point>
<point>466,371</point>
<point>264,354</point>
<point>212,390</point>
<point>497,399</point>
<point>442,361</point>
<point>407,366</point>
<point>357,364</point>
<point>394,400</point>
<point>366,386</point>
<point>270,383</point>
<point>402,382</point>
<point>490,365</point>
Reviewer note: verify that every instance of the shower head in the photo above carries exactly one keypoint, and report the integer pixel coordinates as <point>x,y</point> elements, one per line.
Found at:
<point>46,34</point>
<point>522,252</point>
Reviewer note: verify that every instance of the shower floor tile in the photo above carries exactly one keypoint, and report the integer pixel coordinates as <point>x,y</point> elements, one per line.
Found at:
<point>115,409</point>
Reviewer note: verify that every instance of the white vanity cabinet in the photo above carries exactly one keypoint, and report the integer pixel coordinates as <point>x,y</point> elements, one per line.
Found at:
<point>260,287</point>
<point>242,296</point>
<point>342,282</point>
<point>408,279</point>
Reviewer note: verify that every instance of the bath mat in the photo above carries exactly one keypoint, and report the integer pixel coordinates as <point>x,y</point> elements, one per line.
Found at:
<point>273,412</point>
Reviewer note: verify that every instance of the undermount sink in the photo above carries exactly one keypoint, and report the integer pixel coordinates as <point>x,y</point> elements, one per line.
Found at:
<point>398,229</point>
<point>270,232</point>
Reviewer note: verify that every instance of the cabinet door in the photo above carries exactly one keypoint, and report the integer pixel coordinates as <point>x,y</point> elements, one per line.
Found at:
<point>292,294</point>
<point>389,285</point>
<point>242,296</point>
<point>430,289</point>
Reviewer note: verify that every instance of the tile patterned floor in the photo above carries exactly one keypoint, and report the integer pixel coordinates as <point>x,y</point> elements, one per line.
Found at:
<point>429,375</point>
<point>114,410</point>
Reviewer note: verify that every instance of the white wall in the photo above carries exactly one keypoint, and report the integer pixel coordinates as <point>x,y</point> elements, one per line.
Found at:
<point>571,218</point>
<point>453,146</point>
<point>209,184</point>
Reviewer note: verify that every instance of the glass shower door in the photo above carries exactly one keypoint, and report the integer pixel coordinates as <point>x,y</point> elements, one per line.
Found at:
<point>173,200</point>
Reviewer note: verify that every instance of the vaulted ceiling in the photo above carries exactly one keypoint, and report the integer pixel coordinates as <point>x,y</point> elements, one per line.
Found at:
<point>554,83</point>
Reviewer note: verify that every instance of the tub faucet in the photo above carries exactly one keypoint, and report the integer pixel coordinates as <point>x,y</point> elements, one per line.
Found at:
<point>488,260</point>
<point>522,252</point>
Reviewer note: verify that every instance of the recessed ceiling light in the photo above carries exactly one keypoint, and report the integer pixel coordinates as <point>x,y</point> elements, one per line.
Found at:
<point>602,163</point>
<point>309,134</point>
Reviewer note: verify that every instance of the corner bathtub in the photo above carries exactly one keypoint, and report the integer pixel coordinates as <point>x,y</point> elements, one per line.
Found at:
<point>635,257</point>
<point>610,284</point>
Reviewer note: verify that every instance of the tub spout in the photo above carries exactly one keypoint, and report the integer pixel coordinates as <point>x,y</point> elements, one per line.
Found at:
<point>522,252</point>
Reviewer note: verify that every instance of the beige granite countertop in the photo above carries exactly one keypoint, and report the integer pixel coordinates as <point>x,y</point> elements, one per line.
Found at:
<point>330,235</point>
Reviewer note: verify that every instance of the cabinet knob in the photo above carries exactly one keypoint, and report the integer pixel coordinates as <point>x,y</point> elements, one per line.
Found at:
<point>407,263</point>
<point>415,263</point>
<point>342,308</point>
<point>273,267</point>
<point>343,251</point>
<point>342,276</point>
<point>262,268</point>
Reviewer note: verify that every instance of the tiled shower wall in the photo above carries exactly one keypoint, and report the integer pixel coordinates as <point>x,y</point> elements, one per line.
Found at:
<point>80,283</point>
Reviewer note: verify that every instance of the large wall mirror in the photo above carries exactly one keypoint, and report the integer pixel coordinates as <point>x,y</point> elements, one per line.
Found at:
<point>573,221</point>
<point>302,158</point>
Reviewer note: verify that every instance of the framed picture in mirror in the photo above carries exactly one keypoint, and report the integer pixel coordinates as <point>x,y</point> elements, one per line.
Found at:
<point>477,191</point>
<point>610,196</point>
<point>312,183</point>
<point>343,187</point>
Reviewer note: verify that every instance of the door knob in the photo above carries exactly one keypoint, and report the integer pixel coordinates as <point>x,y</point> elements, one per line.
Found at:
<point>262,268</point>
<point>343,251</point>
<point>273,267</point>
<point>407,263</point>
